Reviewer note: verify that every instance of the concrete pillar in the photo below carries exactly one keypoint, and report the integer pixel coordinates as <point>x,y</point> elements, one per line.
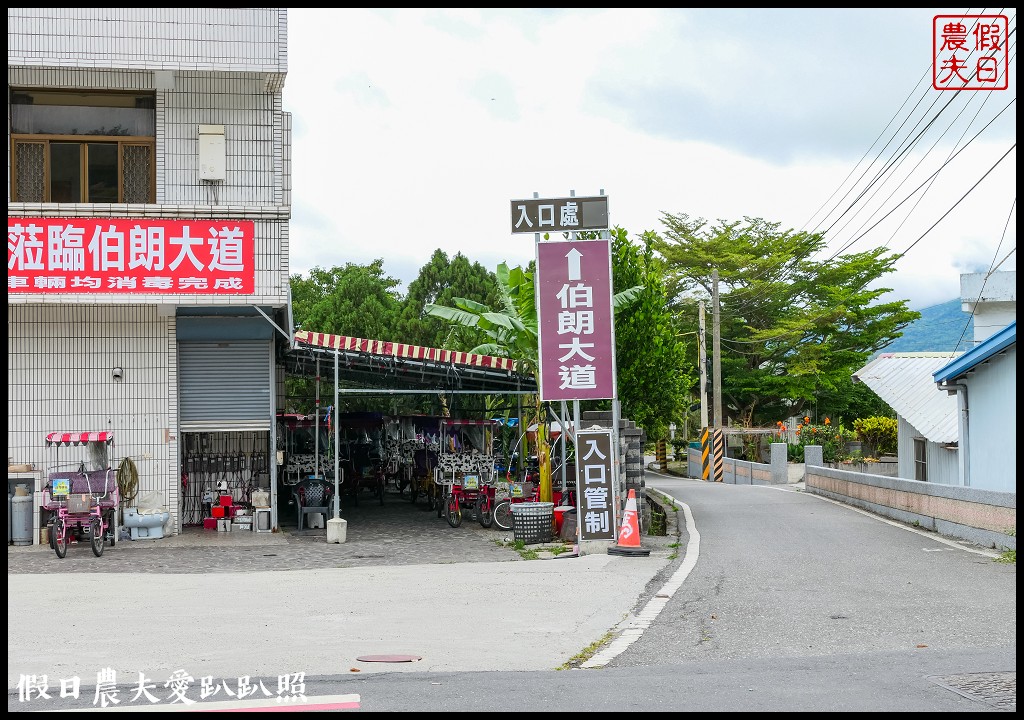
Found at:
<point>779,464</point>
<point>814,455</point>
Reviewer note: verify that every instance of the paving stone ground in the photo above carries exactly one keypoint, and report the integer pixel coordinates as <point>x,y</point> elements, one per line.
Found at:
<point>395,533</point>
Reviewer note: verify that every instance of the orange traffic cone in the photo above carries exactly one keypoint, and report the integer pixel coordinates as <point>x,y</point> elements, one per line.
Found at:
<point>629,534</point>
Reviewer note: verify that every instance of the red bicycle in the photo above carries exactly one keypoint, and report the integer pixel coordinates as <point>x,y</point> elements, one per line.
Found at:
<point>470,491</point>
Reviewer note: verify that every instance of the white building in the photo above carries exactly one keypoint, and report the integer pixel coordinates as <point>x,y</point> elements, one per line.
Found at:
<point>149,197</point>
<point>991,298</point>
<point>957,411</point>
<point>984,382</point>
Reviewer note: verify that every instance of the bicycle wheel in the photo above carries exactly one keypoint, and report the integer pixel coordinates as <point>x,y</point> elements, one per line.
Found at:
<point>439,502</point>
<point>60,538</point>
<point>414,490</point>
<point>49,533</point>
<point>502,515</point>
<point>111,533</point>
<point>96,537</point>
<point>381,486</point>
<point>483,511</point>
<point>453,511</point>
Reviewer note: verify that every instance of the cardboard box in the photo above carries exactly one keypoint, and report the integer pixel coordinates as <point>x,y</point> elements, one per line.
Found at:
<point>219,511</point>
<point>209,523</point>
<point>225,500</point>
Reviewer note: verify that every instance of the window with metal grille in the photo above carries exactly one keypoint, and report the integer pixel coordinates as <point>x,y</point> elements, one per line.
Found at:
<point>920,459</point>
<point>82,146</point>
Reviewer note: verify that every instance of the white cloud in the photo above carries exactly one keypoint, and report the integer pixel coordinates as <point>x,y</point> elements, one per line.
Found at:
<point>415,128</point>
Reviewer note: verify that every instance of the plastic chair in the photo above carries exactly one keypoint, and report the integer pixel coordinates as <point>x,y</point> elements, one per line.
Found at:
<point>313,496</point>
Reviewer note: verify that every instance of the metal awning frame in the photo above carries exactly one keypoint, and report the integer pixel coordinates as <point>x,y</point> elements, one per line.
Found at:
<point>370,373</point>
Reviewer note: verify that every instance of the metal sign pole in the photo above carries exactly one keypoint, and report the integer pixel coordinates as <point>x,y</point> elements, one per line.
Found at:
<point>316,424</point>
<point>337,454</point>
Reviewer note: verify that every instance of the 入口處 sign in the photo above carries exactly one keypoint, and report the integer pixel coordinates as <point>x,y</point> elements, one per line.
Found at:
<point>560,214</point>
<point>594,487</point>
<point>574,316</point>
<point>130,256</point>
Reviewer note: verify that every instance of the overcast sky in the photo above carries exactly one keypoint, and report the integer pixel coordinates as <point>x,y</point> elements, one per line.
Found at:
<point>413,129</point>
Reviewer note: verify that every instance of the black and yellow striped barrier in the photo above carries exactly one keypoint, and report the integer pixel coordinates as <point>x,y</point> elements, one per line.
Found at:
<point>719,444</point>
<point>705,451</point>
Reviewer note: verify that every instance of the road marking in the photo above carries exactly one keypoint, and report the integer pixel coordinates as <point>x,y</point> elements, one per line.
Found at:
<point>305,704</point>
<point>632,627</point>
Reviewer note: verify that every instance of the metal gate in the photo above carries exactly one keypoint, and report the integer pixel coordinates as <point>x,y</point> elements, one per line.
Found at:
<point>224,386</point>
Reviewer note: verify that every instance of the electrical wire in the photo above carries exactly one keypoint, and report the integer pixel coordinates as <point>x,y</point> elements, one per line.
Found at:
<point>991,270</point>
<point>747,296</point>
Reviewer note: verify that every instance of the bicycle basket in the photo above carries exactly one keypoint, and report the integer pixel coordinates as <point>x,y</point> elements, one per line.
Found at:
<point>79,503</point>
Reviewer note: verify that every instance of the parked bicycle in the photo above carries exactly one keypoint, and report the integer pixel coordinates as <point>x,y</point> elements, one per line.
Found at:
<point>84,502</point>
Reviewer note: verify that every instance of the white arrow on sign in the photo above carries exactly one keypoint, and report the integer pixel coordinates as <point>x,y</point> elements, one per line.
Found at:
<point>574,256</point>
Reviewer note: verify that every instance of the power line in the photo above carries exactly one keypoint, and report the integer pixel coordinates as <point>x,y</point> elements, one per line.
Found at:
<point>991,269</point>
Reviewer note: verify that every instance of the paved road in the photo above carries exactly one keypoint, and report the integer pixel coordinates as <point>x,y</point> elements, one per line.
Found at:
<point>778,578</point>
<point>769,598</point>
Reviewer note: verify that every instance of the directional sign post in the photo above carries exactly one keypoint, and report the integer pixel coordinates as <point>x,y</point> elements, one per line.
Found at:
<point>574,310</point>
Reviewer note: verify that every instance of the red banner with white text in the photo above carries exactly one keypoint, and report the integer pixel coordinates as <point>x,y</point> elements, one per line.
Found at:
<point>130,255</point>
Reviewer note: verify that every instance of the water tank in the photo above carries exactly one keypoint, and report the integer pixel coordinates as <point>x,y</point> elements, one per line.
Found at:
<point>21,516</point>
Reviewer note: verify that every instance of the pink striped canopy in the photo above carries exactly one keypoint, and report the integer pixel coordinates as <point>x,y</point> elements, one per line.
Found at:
<point>401,350</point>
<point>78,438</point>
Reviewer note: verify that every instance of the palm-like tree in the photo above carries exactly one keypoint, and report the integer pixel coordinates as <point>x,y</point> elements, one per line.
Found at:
<point>512,333</point>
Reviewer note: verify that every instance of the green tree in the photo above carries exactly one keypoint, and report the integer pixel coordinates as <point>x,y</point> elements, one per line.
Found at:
<point>354,300</point>
<point>793,327</point>
<point>439,281</point>
<point>652,372</point>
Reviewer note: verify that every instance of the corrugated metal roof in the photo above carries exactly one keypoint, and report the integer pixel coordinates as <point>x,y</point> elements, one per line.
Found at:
<point>905,382</point>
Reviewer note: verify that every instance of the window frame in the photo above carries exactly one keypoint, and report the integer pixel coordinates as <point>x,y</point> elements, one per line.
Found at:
<point>83,141</point>
<point>921,459</point>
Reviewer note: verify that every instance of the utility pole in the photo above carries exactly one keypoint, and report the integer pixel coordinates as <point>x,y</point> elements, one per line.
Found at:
<point>716,350</point>
<point>718,441</point>
<point>702,360</point>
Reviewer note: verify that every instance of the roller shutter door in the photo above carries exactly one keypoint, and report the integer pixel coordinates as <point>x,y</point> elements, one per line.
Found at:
<point>224,386</point>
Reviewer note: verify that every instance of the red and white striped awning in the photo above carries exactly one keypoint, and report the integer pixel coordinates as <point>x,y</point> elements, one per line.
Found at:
<point>79,438</point>
<point>401,350</point>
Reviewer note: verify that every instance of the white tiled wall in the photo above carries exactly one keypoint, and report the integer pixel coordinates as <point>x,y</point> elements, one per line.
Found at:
<point>60,362</point>
<point>235,39</point>
<point>227,67</point>
<point>258,158</point>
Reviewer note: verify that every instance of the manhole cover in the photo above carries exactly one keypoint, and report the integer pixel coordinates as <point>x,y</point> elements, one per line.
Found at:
<point>996,689</point>
<point>388,658</point>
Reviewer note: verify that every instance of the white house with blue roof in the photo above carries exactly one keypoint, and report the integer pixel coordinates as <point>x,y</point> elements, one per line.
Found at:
<point>984,380</point>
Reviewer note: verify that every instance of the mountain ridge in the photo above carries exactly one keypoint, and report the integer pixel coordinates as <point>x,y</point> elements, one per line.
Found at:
<point>941,328</point>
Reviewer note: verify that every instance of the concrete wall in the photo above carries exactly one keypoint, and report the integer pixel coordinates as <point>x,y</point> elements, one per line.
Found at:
<point>743,472</point>
<point>983,517</point>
